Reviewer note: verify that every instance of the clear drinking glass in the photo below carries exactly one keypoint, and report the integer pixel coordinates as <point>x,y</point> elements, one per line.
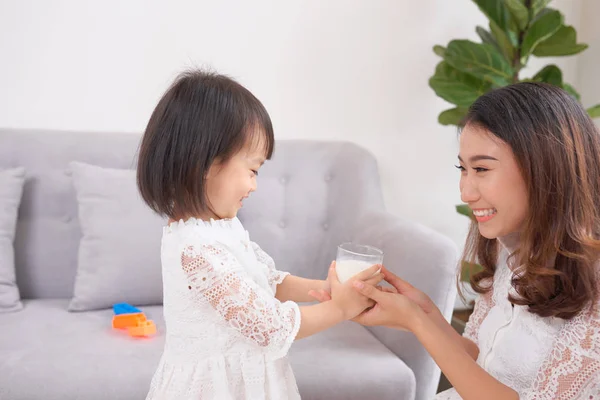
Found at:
<point>353,258</point>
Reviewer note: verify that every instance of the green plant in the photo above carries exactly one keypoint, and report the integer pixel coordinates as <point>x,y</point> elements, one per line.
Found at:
<point>518,29</point>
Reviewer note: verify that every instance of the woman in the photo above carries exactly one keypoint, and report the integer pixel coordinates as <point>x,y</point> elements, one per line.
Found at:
<point>530,171</point>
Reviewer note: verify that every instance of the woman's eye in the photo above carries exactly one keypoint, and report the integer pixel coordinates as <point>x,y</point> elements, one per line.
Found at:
<point>480,169</point>
<point>460,167</point>
<point>255,172</point>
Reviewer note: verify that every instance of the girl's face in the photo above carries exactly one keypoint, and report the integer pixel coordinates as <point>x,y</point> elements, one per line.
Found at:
<point>491,183</point>
<point>229,183</point>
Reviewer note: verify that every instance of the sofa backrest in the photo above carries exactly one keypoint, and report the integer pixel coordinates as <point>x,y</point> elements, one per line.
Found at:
<point>308,199</point>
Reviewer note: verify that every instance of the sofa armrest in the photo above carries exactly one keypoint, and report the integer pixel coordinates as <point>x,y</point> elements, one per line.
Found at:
<point>426,259</point>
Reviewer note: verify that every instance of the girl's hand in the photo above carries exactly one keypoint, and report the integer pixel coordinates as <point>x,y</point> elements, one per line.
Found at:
<point>345,297</point>
<point>322,291</point>
<point>322,295</point>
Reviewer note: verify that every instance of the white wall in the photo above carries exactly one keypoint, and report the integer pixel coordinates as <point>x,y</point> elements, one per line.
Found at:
<point>589,61</point>
<point>336,70</point>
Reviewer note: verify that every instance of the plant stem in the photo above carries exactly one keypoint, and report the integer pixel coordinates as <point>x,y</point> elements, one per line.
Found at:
<point>517,58</point>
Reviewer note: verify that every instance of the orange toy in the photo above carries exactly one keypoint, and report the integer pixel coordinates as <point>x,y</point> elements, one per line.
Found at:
<point>124,321</point>
<point>145,328</point>
<point>136,324</point>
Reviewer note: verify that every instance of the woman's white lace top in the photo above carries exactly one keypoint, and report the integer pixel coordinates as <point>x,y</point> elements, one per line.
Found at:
<point>540,358</point>
<point>227,336</point>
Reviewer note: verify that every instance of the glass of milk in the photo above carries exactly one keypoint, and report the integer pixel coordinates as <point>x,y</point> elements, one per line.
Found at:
<point>353,258</point>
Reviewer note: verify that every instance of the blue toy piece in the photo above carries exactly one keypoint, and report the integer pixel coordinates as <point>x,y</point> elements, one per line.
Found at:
<point>124,308</point>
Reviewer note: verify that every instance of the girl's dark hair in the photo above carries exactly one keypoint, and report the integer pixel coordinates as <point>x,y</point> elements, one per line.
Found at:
<point>557,148</point>
<point>202,118</point>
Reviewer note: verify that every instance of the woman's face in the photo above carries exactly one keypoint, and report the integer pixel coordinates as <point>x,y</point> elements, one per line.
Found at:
<point>491,183</point>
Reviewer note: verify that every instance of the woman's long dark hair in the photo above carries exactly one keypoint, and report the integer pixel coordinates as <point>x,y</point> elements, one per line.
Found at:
<point>557,147</point>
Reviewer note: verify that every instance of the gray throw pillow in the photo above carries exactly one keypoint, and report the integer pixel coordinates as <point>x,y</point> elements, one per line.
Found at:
<point>11,189</point>
<point>119,252</point>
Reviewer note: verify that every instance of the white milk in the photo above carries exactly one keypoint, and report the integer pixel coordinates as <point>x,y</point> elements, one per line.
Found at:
<point>346,269</point>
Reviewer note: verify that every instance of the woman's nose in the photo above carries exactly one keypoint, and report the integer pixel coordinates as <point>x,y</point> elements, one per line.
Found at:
<point>468,191</point>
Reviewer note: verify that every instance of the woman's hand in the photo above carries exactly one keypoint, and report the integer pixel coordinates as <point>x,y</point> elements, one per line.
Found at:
<point>398,286</point>
<point>410,291</point>
<point>393,310</point>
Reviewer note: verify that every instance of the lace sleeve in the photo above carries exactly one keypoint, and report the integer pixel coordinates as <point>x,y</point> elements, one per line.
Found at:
<point>483,305</point>
<point>275,277</point>
<point>572,369</point>
<point>215,276</point>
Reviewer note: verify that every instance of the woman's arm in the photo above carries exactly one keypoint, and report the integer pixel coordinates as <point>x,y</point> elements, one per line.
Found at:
<point>429,308</point>
<point>453,357</point>
<point>469,346</point>
<point>420,298</point>
<point>571,370</point>
<point>396,310</point>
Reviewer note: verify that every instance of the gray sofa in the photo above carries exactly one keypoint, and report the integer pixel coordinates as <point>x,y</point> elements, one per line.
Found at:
<point>311,197</point>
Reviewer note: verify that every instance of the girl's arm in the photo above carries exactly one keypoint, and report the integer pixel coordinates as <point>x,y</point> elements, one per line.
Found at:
<point>216,280</point>
<point>296,289</point>
<point>344,304</point>
<point>288,287</point>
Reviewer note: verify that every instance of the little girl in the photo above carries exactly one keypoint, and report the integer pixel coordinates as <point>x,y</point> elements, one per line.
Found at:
<point>231,316</point>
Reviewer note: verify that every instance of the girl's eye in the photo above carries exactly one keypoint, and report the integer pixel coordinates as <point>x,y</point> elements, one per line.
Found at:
<point>255,172</point>
<point>460,167</point>
<point>480,169</point>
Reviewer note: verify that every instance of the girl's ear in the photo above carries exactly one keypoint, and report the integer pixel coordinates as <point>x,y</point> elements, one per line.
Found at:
<point>214,168</point>
<point>211,172</point>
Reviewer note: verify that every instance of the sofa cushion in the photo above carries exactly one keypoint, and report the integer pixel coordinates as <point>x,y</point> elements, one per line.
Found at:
<point>119,252</point>
<point>45,349</point>
<point>348,362</point>
<point>11,188</point>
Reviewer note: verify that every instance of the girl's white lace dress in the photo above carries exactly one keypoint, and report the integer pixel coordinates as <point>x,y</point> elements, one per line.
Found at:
<point>227,337</point>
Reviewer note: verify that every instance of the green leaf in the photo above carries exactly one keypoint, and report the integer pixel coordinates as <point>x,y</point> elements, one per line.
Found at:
<point>539,31</point>
<point>537,6</point>
<point>594,111</point>
<point>465,210</point>
<point>453,116</point>
<point>480,60</point>
<point>571,90</point>
<point>562,43</point>
<point>486,36</point>
<point>549,74</point>
<point>457,87</point>
<point>519,12</point>
<point>504,42</point>
<point>496,11</point>
<point>541,14</point>
<point>439,50</point>
<point>469,269</point>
